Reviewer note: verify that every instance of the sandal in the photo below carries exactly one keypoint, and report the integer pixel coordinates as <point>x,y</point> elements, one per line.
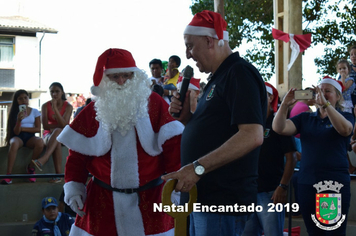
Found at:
<point>55,180</point>
<point>38,164</point>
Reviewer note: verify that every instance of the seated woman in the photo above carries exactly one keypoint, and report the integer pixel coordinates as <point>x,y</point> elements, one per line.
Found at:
<point>21,128</point>
<point>55,116</point>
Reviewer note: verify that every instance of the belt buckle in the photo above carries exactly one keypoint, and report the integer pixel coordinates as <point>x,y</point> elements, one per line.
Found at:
<point>129,190</point>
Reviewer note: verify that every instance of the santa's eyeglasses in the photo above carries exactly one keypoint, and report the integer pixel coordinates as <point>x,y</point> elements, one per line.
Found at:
<point>116,76</point>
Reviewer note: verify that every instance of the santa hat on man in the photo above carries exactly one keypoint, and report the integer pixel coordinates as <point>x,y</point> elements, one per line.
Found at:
<point>208,23</point>
<point>113,60</point>
<point>336,83</point>
<point>194,83</point>
<point>273,91</point>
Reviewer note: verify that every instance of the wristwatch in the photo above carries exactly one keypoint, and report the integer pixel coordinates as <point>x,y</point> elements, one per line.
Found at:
<point>199,169</point>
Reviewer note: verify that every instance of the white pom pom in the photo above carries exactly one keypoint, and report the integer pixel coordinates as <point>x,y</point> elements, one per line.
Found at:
<point>221,43</point>
<point>95,90</point>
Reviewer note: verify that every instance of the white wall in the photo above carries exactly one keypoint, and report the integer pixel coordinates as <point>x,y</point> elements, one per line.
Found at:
<point>26,63</point>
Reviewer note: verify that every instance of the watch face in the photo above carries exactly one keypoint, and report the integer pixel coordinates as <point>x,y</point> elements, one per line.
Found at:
<point>199,170</point>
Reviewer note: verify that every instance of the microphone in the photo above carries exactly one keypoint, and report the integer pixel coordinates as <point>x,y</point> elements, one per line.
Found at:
<point>187,75</point>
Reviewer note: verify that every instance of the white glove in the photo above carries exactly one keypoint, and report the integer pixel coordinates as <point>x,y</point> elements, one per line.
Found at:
<point>74,196</point>
<point>76,204</point>
<point>175,197</point>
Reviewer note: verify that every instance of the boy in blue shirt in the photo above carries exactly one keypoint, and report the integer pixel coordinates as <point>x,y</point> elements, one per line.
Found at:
<point>53,223</point>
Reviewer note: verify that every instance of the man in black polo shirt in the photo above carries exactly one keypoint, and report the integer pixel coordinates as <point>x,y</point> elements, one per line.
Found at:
<point>220,142</point>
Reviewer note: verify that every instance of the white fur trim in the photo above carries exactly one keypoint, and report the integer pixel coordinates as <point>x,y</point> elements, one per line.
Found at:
<point>152,142</point>
<point>128,216</point>
<point>76,231</point>
<point>95,90</point>
<point>124,174</point>
<point>221,43</point>
<point>73,188</point>
<point>204,31</point>
<point>124,162</point>
<point>333,83</point>
<point>167,233</point>
<point>84,145</point>
<point>269,89</point>
<point>121,70</point>
<point>191,86</point>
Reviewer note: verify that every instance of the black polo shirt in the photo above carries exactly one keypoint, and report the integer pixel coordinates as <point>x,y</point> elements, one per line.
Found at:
<point>271,161</point>
<point>235,94</point>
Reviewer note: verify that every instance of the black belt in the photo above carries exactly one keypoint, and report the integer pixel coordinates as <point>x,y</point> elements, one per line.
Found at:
<point>151,184</point>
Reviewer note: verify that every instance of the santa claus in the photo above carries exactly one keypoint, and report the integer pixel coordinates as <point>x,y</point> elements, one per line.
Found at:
<point>126,139</point>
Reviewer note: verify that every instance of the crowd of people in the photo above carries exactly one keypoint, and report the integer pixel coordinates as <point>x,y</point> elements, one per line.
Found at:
<point>233,140</point>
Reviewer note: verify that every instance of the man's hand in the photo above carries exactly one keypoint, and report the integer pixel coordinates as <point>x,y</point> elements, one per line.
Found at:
<point>279,195</point>
<point>176,106</point>
<point>186,178</point>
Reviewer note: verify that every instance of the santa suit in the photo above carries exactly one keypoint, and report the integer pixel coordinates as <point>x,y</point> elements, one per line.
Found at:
<point>144,153</point>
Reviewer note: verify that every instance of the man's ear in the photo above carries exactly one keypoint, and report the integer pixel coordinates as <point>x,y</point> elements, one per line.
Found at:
<point>209,41</point>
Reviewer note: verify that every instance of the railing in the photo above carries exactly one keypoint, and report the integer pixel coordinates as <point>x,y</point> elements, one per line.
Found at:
<point>3,124</point>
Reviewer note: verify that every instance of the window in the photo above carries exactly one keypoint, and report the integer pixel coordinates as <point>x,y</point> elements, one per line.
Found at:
<point>7,48</point>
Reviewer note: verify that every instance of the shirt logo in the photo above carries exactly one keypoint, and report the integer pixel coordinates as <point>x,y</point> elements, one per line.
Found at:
<point>211,93</point>
<point>266,134</point>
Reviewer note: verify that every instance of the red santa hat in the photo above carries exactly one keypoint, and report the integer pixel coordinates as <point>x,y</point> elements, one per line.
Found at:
<point>194,83</point>
<point>272,90</point>
<point>337,84</point>
<point>113,60</point>
<point>208,23</point>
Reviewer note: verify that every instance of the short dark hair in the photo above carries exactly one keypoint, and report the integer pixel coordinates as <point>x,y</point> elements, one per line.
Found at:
<point>176,59</point>
<point>155,61</point>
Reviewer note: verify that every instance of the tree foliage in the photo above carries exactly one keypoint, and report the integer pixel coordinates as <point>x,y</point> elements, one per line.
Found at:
<point>331,22</point>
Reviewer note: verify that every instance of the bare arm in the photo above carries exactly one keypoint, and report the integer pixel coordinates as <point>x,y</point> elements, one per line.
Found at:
<point>249,137</point>
<point>62,121</point>
<point>20,117</point>
<point>280,194</point>
<point>35,129</point>
<point>339,122</point>
<point>348,84</point>
<point>281,124</point>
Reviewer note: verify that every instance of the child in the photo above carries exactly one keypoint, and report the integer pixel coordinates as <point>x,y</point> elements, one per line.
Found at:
<point>343,68</point>
<point>21,128</point>
<point>53,222</point>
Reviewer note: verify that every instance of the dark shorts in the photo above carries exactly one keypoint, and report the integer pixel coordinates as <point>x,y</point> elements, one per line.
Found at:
<point>25,136</point>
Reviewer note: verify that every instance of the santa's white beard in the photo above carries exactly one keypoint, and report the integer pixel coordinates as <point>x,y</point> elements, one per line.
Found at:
<point>118,107</point>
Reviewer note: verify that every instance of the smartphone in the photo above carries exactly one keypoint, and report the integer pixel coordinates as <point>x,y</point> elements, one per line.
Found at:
<point>22,108</point>
<point>303,94</point>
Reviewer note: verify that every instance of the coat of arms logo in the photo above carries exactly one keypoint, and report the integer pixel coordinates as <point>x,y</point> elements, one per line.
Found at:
<point>328,214</point>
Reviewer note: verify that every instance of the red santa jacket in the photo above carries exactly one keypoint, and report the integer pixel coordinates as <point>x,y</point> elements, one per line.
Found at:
<point>146,152</point>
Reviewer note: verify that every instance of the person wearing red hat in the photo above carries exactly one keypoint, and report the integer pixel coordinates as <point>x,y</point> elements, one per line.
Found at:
<point>273,175</point>
<point>221,140</point>
<point>194,87</point>
<point>325,138</point>
<point>126,139</point>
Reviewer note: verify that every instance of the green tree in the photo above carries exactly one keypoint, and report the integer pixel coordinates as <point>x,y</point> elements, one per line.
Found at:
<point>331,23</point>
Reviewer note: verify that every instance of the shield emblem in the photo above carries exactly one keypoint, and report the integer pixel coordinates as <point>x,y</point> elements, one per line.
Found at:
<point>328,207</point>
<point>211,93</point>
